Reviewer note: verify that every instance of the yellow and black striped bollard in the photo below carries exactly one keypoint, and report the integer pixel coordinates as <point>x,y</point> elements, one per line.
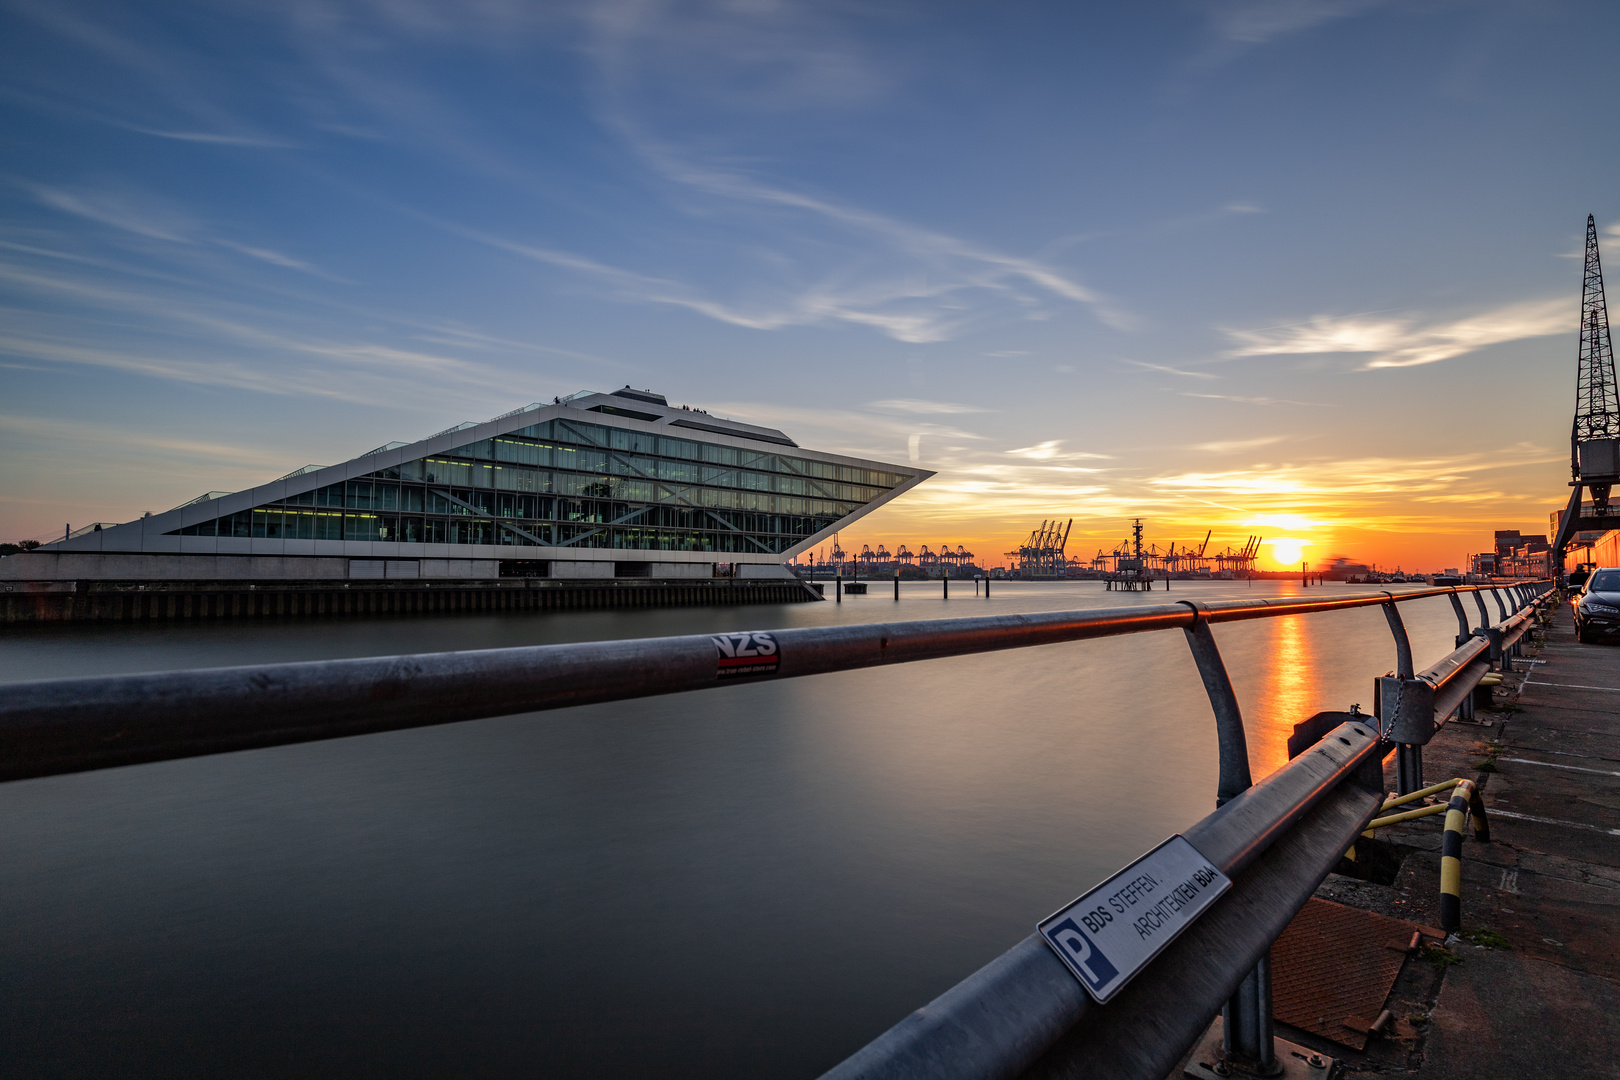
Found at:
<point>1451,858</point>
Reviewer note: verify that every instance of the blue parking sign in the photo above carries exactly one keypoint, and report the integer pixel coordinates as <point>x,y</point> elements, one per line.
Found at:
<point>1112,932</point>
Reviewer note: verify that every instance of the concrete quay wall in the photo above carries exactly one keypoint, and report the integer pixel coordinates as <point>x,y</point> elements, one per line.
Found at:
<point>143,601</point>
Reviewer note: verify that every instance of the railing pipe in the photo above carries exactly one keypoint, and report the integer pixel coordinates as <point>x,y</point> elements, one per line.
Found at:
<point>1008,1016</point>
<point>69,725</point>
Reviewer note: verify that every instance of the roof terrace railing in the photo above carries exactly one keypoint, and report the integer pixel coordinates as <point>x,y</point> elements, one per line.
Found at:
<point>1024,1014</point>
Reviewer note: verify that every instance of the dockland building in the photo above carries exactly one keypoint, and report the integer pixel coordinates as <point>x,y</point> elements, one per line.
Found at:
<point>594,487</point>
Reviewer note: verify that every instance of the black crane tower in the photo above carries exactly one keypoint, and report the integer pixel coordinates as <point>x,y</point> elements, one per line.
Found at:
<point>1597,408</point>
<point>1594,440</point>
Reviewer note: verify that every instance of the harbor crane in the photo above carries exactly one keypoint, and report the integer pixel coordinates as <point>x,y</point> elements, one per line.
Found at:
<point>1594,438</point>
<point>1042,555</point>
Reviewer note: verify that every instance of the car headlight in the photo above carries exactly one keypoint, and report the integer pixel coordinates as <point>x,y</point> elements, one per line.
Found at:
<point>1591,607</point>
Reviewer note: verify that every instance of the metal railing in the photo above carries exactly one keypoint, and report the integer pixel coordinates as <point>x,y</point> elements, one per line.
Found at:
<point>1021,1015</point>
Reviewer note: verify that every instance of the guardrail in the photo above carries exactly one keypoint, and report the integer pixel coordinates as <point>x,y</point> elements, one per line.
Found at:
<point>1024,1014</point>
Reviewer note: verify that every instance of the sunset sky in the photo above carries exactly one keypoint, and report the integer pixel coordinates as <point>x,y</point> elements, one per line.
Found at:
<point>1308,270</point>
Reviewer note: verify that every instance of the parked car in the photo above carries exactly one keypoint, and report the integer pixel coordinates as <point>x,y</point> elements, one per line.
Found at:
<point>1597,606</point>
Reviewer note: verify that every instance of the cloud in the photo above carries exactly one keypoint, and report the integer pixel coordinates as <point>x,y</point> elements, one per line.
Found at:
<point>1402,342</point>
<point>913,309</point>
<point>191,340</point>
<point>1145,366</point>
<point>961,265</point>
<point>1255,22</point>
<point>137,216</point>
<point>912,405</point>
<point>838,262</point>
<point>101,434</point>
<point>1324,481</point>
<point>1240,444</point>
<point>1052,450</point>
<point>154,219</point>
<point>1256,400</point>
<point>218,139</point>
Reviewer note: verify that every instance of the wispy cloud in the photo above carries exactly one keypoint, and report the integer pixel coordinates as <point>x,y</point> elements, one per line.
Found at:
<point>1241,399</point>
<point>1052,450</point>
<point>1326,481</point>
<point>155,219</point>
<point>842,262</point>
<point>159,335</point>
<point>216,138</point>
<point>913,405</point>
<point>1238,444</point>
<point>944,272</point>
<point>100,434</point>
<point>140,217</point>
<point>1255,22</point>
<point>1395,343</point>
<point>1145,366</point>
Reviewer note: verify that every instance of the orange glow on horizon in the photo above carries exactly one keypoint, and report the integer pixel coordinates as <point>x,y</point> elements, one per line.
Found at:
<point>1395,542</point>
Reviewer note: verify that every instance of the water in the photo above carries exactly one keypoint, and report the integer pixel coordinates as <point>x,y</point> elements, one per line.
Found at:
<point>747,881</point>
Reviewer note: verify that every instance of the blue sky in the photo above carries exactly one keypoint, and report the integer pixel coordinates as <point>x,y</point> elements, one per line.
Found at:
<point>1293,268</point>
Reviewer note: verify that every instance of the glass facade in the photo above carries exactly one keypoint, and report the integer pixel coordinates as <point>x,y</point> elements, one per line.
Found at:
<point>568,483</point>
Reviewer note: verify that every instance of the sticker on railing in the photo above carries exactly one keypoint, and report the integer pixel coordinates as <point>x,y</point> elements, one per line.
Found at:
<point>1113,931</point>
<point>741,655</point>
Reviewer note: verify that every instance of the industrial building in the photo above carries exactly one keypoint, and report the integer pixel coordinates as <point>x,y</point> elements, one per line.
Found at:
<point>596,486</point>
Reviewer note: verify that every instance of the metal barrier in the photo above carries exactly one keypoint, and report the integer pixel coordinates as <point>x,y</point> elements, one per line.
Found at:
<point>1464,804</point>
<point>1021,1015</point>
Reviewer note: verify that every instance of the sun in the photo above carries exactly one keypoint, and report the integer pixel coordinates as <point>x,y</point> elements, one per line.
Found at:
<point>1286,550</point>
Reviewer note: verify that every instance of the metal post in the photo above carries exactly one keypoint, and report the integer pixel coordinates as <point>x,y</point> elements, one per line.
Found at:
<point>1246,1016</point>
<point>897,583</point>
<point>1484,616</point>
<point>987,586</point>
<point>1463,633</point>
<point>1500,607</point>
<point>838,587</point>
<point>1408,768</point>
<point>1231,742</point>
<point>1403,647</point>
<point>1408,756</point>
<point>1246,1026</point>
<point>945,578</point>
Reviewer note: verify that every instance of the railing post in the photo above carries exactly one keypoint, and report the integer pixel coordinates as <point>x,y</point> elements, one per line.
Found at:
<point>1246,1023</point>
<point>1500,607</point>
<point>1394,704</point>
<point>1247,1031</point>
<point>1484,616</point>
<point>1403,647</point>
<point>1232,744</point>
<point>1463,632</point>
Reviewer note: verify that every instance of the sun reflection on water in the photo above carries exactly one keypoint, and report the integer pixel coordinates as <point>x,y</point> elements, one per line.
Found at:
<point>1291,691</point>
